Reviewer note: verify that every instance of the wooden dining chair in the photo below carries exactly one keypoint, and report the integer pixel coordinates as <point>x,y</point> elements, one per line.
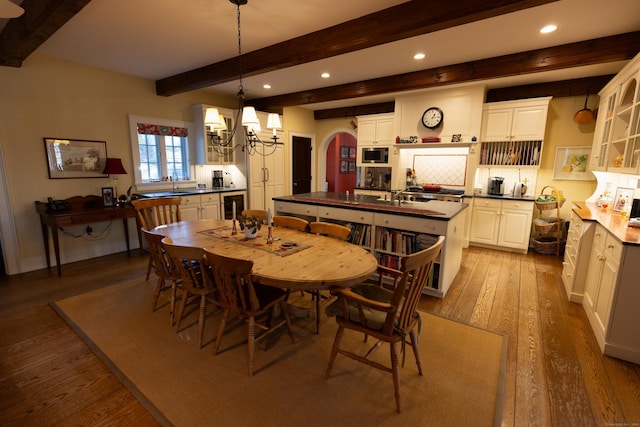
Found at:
<point>168,277</point>
<point>155,211</point>
<point>330,229</point>
<point>336,231</point>
<point>238,295</point>
<point>292,222</point>
<point>259,213</point>
<point>196,279</point>
<point>388,315</point>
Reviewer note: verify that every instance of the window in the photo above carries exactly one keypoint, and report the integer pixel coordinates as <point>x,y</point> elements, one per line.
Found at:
<point>160,149</point>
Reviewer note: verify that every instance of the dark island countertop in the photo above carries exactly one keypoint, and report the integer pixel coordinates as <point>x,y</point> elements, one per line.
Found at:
<point>187,192</point>
<point>433,209</point>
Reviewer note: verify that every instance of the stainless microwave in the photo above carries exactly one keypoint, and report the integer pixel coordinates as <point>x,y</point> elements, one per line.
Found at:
<point>375,155</point>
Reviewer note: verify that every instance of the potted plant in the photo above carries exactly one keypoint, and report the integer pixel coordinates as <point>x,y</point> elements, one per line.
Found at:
<point>250,225</point>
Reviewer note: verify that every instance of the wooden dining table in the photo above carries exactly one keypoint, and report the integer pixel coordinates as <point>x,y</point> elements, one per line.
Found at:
<point>295,259</point>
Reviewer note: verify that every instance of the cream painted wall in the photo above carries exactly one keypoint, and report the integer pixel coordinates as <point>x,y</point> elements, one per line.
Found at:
<point>561,131</point>
<point>53,98</point>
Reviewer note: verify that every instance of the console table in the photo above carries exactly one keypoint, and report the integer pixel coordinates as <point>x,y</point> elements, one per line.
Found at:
<point>82,210</point>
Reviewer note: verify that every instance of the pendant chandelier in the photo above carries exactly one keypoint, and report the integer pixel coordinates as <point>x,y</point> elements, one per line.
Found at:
<point>251,142</point>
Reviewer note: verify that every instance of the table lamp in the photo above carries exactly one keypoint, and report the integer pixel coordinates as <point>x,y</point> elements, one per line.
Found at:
<point>114,167</point>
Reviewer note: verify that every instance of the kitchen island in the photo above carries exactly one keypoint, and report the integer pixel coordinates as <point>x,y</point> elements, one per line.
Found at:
<point>390,230</point>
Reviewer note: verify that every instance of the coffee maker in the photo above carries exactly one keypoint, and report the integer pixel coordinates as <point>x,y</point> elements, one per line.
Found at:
<point>217,179</point>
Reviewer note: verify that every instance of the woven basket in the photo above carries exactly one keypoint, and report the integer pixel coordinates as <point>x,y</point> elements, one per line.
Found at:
<point>545,227</point>
<point>548,246</point>
<point>552,204</point>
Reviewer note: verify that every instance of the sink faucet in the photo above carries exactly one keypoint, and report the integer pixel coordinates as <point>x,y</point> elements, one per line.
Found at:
<point>395,194</point>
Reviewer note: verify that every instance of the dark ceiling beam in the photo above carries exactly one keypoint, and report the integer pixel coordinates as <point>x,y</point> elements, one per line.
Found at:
<point>563,88</point>
<point>41,18</point>
<point>607,49</point>
<point>357,110</point>
<point>403,21</point>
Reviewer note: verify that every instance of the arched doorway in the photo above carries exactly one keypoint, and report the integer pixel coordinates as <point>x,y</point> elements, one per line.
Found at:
<point>336,161</point>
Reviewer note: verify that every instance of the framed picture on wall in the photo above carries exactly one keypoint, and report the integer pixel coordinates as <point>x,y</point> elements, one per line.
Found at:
<point>352,166</point>
<point>75,158</point>
<point>572,163</point>
<point>344,166</point>
<point>344,152</point>
<point>352,152</point>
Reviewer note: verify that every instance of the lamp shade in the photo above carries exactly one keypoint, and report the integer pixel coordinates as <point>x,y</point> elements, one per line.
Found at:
<point>114,167</point>
<point>250,118</point>
<point>273,121</point>
<point>212,118</point>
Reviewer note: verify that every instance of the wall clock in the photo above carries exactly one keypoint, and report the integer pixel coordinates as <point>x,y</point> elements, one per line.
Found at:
<point>432,117</point>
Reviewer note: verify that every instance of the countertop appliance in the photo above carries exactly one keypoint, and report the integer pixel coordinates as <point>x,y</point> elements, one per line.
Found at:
<point>496,185</point>
<point>217,179</point>
<point>418,194</point>
<point>375,155</point>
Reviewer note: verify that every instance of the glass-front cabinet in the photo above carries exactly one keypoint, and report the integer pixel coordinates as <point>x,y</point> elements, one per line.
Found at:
<point>206,153</point>
<point>616,145</point>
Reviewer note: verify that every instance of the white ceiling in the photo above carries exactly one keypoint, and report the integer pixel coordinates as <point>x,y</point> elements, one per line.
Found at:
<point>159,38</point>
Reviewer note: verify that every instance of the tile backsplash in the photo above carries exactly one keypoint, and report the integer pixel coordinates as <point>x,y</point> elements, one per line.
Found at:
<point>443,166</point>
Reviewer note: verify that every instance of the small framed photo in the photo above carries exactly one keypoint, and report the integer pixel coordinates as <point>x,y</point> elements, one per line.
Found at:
<point>107,196</point>
<point>352,166</point>
<point>344,166</point>
<point>352,152</point>
<point>623,200</point>
<point>344,152</point>
<point>456,137</point>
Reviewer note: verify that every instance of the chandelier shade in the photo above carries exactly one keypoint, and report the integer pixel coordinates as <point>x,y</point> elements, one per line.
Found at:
<point>250,142</point>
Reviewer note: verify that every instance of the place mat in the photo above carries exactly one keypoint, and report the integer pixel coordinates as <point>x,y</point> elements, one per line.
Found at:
<point>278,247</point>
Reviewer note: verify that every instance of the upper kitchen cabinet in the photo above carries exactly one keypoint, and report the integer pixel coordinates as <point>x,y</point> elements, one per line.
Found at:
<point>205,152</point>
<point>375,129</point>
<point>616,146</point>
<point>513,132</point>
<point>523,120</point>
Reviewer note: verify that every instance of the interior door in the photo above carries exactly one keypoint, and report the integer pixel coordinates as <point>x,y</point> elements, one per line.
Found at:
<point>301,175</point>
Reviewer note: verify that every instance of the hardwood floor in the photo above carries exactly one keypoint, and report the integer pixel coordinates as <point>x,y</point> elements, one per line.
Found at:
<point>555,373</point>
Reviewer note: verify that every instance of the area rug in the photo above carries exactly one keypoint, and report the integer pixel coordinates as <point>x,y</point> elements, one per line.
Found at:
<point>183,385</point>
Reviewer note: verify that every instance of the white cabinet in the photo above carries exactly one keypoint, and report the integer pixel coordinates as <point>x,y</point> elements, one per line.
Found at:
<point>601,280</point>
<point>576,257</point>
<point>375,129</point>
<point>502,224</point>
<point>616,146</point>
<point>205,153</point>
<point>523,120</point>
<point>266,177</point>
<point>200,206</point>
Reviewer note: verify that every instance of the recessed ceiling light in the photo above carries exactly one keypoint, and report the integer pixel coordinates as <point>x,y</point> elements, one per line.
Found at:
<point>325,75</point>
<point>266,86</point>
<point>548,29</point>
<point>419,56</point>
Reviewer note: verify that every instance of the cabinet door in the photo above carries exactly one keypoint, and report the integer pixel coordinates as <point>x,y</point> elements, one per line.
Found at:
<point>496,124</point>
<point>602,307</point>
<point>189,212</point>
<point>274,170</point>
<point>594,273</point>
<point>384,131</point>
<point>529,123</point>
<point>366,132</point>
<point>515,227</point>
<point>484,224</point>
<point>210,206</point>
<point>602,136</point>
